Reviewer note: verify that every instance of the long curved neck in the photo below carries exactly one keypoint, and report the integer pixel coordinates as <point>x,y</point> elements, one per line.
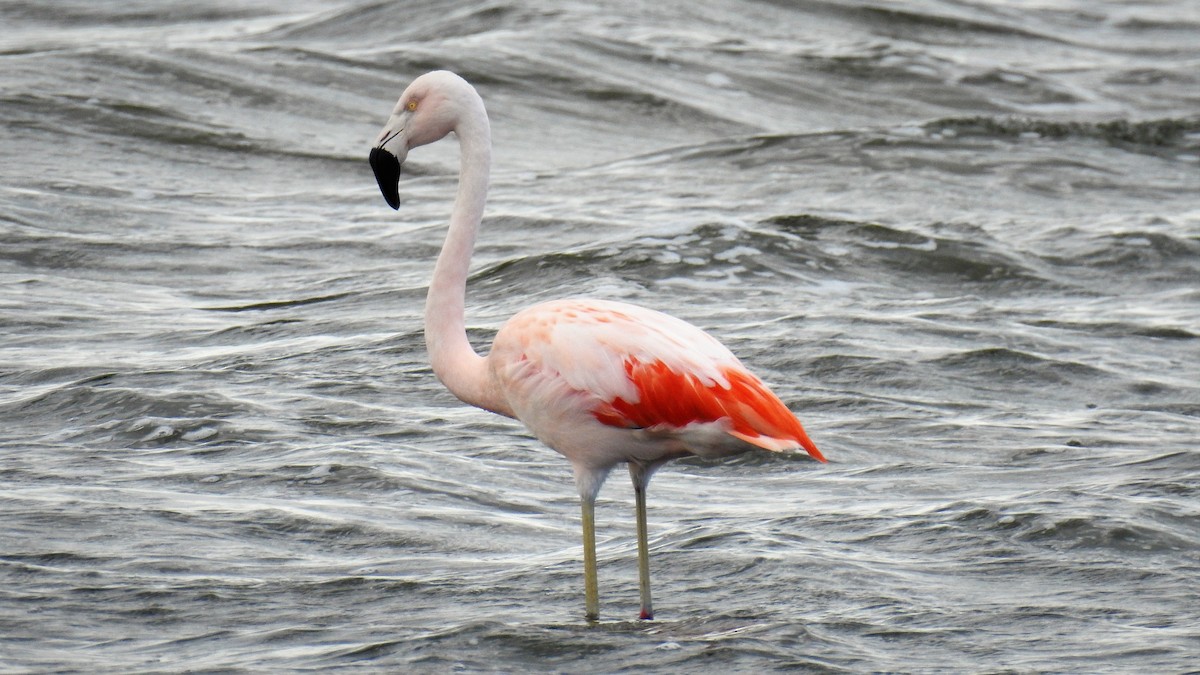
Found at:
<point>454,361</point>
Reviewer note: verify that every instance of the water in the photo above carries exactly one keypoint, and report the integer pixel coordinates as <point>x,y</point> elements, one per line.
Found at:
<point>961,239</point>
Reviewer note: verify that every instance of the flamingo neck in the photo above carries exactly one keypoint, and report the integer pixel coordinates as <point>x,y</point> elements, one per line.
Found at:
<point>454,361</point>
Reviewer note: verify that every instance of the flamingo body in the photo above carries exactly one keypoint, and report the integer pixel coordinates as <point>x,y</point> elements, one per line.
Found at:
<point>606,382</point>
<point>601,382</point>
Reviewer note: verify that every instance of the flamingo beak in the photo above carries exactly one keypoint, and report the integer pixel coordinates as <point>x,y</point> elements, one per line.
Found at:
<point>387,174</point>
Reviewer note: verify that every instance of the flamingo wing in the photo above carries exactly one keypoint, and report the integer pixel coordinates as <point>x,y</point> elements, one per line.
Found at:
<point>648,370</point>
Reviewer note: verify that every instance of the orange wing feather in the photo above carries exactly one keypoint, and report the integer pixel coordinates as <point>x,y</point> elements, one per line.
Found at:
<point>670,398</point>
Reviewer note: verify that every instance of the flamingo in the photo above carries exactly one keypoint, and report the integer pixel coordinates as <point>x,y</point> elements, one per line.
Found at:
<point>600,382</point>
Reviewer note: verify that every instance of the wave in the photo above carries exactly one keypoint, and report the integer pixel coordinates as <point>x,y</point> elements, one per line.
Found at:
<point>814,249</point>
<point>99,410</point>
<point>381,24</point>
<point>1159,251</point>
<point>1013,365</point>
<point>1178,135</point>
<point>968,256</point>
<point>948,23</point>
<point>1175,137</point>
<point>1058,525</point>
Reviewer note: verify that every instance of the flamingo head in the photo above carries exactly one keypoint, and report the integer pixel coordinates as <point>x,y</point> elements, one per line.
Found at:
<point>429,108</point>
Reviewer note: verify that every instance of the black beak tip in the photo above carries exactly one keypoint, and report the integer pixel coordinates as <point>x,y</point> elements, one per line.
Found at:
<point>387,174</point>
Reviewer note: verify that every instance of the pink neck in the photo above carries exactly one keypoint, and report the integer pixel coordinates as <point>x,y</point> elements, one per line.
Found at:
<point>455,362</point>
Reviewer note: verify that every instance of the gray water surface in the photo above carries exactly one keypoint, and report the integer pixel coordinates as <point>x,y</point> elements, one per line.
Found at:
<point>960,239</point>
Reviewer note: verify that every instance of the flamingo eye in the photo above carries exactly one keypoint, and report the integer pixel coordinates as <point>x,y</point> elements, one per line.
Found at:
<point>411,105</point>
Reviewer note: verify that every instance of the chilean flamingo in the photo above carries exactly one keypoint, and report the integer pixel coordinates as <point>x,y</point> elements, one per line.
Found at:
<point>600,382</point>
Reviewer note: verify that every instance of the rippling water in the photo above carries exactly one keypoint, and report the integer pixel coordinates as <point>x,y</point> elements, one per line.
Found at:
<point>961,239</point>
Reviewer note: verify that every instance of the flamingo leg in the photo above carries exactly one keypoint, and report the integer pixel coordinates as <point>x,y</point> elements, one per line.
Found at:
<point>590,587</point>
<point>641,477</point>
